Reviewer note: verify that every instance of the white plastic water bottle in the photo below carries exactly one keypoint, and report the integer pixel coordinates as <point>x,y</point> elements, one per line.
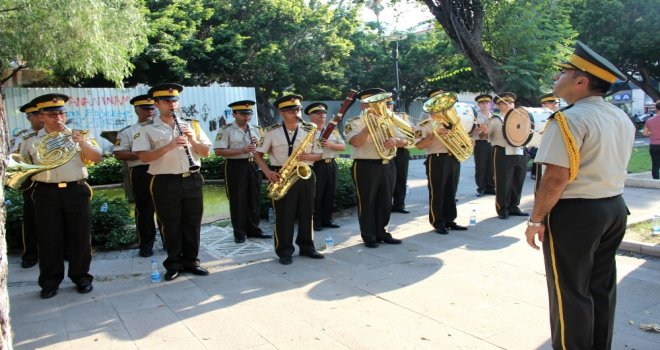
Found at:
<point>271,218</point>
<point>155,274</point>
<point>104,207</point>
<point>656,224</point>
<point>407,189</point>
<point>473,217</point>
<point>329,243</point>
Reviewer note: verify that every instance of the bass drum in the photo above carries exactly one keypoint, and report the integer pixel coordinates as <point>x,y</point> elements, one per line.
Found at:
<point>540,116</point>
<point>466,112</point>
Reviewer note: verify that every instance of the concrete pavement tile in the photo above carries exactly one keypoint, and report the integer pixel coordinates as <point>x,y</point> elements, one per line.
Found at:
<point>292,332</point>
<point>102,268</point>
<point>226,329</point>
<point>112,336</point>
<point>49,334</point>
<point>88,313</point>
<point>624,340</point>
<point>628,323</point>
<point>522,338</point>
<point>30,308</point>
<point>134,299</point>
<point>154,326</point>
<point>190,343</point>
<point>182,299</point>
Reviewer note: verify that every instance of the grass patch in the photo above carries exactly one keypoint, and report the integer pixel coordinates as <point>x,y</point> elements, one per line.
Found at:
<point>641,232</point>
<point>640,161</point>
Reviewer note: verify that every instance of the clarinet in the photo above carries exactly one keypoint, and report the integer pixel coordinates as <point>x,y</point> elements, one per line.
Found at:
<point>251,157</point>
<point>191,161</point>
<point>348,101</point>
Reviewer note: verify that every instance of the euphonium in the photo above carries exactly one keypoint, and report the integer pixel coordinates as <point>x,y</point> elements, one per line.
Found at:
<point>381,122</point>
<point>293,169</point>
<point>53,150</point>
<point>457,141</point>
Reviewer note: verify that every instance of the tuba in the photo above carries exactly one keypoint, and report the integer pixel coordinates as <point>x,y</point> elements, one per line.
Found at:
<point>457,141</point>
<point>53,150</point>
<point>381,123</point>
<point>293,169</point>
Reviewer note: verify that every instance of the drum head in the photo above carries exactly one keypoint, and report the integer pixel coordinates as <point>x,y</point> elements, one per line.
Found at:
<point>518,127</point>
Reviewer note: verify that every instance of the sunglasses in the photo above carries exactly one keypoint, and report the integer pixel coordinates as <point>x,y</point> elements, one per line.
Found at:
<point>54,114</point>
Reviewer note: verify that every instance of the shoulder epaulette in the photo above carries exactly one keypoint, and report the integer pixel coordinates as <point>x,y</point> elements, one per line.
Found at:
<point>20,132</point>
<point>273,127</point>
<point>27,136</point>
<point>552,116</point>
<point>150,121</point>
<point>423,122</point>
<point>335,132</point>
<point>227,126</point>
<point>352,119</point>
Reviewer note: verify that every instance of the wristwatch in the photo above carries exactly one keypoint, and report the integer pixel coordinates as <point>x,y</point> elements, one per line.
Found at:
<point>531,223</point>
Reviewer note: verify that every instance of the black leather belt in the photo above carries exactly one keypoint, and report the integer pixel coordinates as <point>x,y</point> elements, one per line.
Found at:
<point>328,160</point>
<point>569,200</point>
<point>144,166</point>
<point>440,154</point>
<point>186,174</point>
<point>382,161</point>
<point>62,184</point>
<point>238,160</point>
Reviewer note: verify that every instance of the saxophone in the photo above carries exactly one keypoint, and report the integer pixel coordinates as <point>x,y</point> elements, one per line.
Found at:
<point>293,169</point>
<point>457,141</point>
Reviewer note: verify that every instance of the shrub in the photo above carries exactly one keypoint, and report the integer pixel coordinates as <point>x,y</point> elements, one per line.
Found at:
<point>108,171</point>
<point>14,224</point>
<point>213,168</point>
<point>113,228</point>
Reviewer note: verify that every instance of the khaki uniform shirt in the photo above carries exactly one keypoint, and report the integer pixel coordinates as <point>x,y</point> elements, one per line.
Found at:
<point>17,139</point>
<point>19,147</point>
<point>480,120</point>
<point>231,136</point>
<point>335,138</point>
<point>73,170</point>
<point>274,143</point>
<point>155,134</point>
<point>604,136</point>
<point>496,137</point>
<point>435,146</point>
<point>125,143</point>
<point>368,149</point>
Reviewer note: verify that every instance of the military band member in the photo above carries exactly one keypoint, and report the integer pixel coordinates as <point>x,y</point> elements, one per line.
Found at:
<point>550,102</point>
<point>138,177</point>
<point>30,245</point>
<point>579,214</point>
<point>325,169</point>
<point>443,171</point>
<point>171,150</point>
<point>280,141</point>
<point>62,202</point>
<point>237,142</point>
<point>401,161</point>
<point>373,177</point>
<point>483,160</point>
<point>510,163</point>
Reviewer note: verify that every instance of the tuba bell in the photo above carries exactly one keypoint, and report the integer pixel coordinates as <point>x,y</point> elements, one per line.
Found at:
<point>381,123</point>
<point>442,111</point>
<point>52,151</point>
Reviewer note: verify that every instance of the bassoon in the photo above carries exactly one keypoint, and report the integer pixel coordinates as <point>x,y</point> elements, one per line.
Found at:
<point>348,101</point>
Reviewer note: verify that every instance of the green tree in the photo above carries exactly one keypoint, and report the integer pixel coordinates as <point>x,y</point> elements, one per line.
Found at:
<point>633,47</point>
<point>85,38</point>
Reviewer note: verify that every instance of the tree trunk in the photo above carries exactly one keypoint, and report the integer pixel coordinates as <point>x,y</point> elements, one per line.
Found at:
<point>5,326</point>
<point>463,23</point>
<point>265,110</point>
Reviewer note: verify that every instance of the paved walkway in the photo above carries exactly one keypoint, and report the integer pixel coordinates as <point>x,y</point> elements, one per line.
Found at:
<point>479,289</point>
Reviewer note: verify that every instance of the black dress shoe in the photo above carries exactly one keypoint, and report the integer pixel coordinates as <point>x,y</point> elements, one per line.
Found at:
<point>171,275</point>
<point>286,260</point>
<point>312,254</point>
<point>490,192</point>
<point>84,288</point>
<point>518,213</point>
<point>371,244</point>
<point>442,231</point>
<point>196,270</point>
<point>503,216</point>
<point>390,240</point>
<point>47,293</point>
<point>331,225</point>
<point>261,236</point>
<point>318,228</point>
<point>401,210</point>
<point>239,240</point>
<point>480,193</point>
<point>456,227</point>
<point>26,264</point>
